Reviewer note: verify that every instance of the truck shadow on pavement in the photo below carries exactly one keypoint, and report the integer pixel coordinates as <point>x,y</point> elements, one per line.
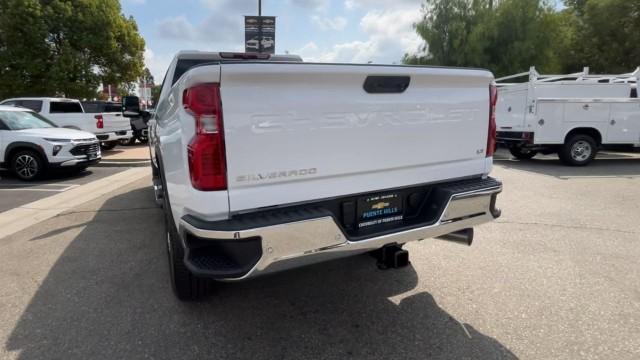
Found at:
<point>606,166</point>
<point>108,297</point>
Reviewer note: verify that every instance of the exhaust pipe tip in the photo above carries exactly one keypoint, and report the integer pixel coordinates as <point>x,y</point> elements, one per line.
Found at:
<point>464,236</point>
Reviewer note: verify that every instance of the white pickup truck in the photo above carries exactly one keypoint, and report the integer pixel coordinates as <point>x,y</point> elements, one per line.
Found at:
<point>264,163</point>
<point>109,127</point>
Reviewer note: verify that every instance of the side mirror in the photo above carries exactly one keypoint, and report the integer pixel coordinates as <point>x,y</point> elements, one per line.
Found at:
<point>131,106</point>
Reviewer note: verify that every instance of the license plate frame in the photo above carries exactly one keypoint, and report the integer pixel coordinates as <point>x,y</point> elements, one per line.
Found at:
<point>379,209</point>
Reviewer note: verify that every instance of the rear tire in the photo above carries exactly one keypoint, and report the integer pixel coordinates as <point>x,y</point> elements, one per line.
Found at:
<point>127,142</point>
<point>27,165</point>
<point>522,154</point>
<point>108,145</point>
<point>185,285</point>
<point>142,139</point>
<point>578,150</point>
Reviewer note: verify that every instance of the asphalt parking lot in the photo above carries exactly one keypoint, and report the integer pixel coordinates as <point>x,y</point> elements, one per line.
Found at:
<point>556,277</point>
<point>16,193</point>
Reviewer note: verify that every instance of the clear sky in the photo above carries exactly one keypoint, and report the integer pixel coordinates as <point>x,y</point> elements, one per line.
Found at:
<point>319,30</point>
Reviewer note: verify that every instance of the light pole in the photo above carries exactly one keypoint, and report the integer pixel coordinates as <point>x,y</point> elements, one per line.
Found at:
<point>260,26</point>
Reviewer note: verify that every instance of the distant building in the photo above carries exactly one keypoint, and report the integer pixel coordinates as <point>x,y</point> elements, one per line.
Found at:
<point>111,93</point>
<point>144,92</point>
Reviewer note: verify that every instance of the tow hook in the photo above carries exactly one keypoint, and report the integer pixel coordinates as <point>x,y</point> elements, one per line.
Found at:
<point>392,256</point>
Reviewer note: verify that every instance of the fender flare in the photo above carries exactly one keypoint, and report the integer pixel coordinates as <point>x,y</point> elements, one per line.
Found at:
<point>592,131</point>
<point>23,145</point>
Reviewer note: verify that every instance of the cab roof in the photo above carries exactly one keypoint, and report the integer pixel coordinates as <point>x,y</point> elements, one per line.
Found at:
<point>41,99</point>
<point>222,56</point>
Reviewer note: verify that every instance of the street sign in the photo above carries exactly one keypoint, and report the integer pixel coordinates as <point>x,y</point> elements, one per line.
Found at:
<point>260,34</point>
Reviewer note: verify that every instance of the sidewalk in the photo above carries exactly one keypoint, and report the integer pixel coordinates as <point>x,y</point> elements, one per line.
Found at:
<point>136,155</point>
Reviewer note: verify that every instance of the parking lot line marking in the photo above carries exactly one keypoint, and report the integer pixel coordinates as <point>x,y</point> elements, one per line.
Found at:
<point>35,189</point>
<point>127,161</point>
<point>20,218</point>
<point>52,185</point>
<point>29,187</point>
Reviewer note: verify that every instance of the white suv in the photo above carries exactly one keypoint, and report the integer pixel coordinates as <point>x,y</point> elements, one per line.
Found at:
<point>30,144</point>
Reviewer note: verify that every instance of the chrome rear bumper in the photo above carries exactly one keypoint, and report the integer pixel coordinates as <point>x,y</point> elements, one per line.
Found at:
<point>294,244</point>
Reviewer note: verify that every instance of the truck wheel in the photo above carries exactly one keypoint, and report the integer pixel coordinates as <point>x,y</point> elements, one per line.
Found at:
<point>579,150</point>
<point>27,165</point>
<point>127,142</point>
<point>108,145</point>
<point>522,154</point>
<point>186,286</point>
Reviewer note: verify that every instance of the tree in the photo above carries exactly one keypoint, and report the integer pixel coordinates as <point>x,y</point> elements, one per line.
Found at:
<point>603,34</point>
<point>65,47</point>
<point>517,35</point>
<point>505,36</point>
<point>146,77</point>
<point>446,28</point>
<point>155,93</point>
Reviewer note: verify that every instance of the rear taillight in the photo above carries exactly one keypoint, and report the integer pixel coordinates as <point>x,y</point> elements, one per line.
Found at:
<point>491,137</point>
<point>99,121</point>
<point>207,161</point>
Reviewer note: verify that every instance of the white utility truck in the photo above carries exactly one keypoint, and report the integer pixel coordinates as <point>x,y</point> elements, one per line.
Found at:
<point>109,127</point>
<point>265,163</point>
<point>572,115</point>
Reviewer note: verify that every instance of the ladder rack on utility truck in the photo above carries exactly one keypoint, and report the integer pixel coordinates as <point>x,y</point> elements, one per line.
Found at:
<point>572,115</point>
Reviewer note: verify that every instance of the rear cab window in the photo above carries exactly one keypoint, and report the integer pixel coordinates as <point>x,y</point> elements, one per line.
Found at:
<point>185,65</point>
<point>112,108</point>
<point>90,107</point>
<point>35,105</point>
<point>57,107</point>
<point>101,107</point>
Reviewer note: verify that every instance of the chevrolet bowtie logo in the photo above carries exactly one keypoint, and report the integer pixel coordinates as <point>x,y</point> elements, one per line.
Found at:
<point>379,206</point>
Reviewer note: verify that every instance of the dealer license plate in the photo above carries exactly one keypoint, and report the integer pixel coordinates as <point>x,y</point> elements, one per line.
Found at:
<point>379,209</point>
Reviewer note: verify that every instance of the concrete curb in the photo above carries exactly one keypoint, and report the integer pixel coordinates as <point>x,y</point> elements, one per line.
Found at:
<point>22,217</point>
<point>124,163</point>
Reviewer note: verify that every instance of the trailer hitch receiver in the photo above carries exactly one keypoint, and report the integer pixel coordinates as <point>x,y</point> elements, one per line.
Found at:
<point>392,256</point>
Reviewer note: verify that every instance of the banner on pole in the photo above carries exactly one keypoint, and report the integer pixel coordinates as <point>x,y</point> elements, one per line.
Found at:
<point>260,34</point>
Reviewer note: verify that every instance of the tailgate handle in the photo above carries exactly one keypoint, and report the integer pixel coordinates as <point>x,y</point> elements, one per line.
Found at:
<point>386,84</point>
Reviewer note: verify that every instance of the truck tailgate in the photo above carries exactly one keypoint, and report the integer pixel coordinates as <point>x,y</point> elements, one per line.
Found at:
<point>300,132</point>
<point>115,122</point>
